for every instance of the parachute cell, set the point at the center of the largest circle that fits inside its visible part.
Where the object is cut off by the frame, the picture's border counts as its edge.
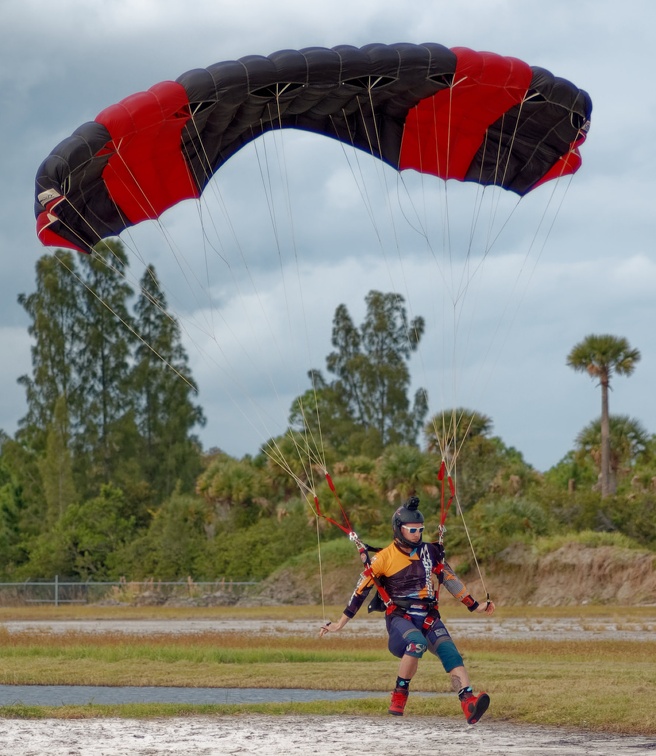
(453, 113)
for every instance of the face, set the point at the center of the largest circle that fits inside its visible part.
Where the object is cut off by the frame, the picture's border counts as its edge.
(407, 529)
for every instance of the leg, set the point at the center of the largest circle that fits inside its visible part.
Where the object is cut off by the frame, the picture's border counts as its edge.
(408, 666)
(440, 643)
(408, 643)
(459, 678)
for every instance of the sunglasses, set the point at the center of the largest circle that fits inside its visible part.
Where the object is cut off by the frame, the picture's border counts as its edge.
(412, 531)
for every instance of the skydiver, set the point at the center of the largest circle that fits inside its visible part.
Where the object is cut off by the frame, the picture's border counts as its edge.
(405, 568)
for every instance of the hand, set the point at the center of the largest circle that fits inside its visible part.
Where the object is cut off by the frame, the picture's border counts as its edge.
(328, 628)
(486, 606)
(333, 627)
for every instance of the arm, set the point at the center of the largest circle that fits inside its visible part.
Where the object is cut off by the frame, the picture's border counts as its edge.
(365, 582)
(459, 591)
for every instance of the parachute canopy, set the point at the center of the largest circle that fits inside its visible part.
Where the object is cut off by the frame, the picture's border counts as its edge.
(453, 113)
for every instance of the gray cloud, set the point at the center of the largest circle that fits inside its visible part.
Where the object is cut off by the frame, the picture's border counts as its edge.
(594, 274)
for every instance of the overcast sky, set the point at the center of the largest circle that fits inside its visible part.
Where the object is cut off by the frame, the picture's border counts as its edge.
(256, 305)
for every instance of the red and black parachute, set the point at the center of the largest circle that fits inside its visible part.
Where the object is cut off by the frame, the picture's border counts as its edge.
(456, 114)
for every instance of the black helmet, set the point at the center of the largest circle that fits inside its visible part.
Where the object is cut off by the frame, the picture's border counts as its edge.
(403, 515)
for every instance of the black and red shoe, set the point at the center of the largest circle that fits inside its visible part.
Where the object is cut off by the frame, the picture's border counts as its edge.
(399, 700)
(475, 706)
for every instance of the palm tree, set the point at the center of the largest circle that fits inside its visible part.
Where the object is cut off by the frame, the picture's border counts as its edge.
(628, 442)
(447, 431)
(403, 470)
(601, 356)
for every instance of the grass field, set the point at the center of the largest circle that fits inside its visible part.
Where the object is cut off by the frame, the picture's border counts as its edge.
(603, 685)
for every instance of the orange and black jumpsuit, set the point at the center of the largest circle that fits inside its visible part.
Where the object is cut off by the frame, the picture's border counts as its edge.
(408, 579)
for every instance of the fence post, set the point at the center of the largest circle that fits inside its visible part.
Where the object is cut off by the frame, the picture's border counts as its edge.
(56, 590)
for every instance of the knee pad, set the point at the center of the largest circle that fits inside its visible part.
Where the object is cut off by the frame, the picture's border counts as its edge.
(449, 655)
(416, 645)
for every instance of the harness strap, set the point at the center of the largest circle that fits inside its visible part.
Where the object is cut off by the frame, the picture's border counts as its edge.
(431, 618)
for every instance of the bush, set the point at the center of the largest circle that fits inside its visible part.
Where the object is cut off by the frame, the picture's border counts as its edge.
(252, 553)
(495, 524)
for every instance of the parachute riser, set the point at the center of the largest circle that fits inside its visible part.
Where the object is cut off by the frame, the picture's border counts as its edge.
(445, 504)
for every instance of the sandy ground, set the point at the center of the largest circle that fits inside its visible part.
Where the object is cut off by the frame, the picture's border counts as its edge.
(305, 736)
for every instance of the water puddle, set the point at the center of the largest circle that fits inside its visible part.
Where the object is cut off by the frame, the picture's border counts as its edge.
(81, 695)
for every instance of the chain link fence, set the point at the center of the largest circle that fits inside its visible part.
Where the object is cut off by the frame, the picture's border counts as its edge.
(61, 591)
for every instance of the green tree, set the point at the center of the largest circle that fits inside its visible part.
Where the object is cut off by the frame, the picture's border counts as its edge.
(12, 506)
(55, 465)
(404, 470)
(22, 496)
(322, 418)
(163, 387)
(602, 356)
(55, 312)
(172, 545)
(235, 487)
(449, 431)
(480, 464)
(82, 542)
(628, 440)
(572, 472)
(105, 438)
(368, 399)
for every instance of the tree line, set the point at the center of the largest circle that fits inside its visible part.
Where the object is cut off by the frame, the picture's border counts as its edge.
(105, 477)
(108, 430)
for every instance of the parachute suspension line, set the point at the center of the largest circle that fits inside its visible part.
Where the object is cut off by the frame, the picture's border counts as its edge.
(127, 325)
(497, 164)
(376, 147)
(122, 273)
(421, 224)
(452, 440)
(423, 232)
(467, 275)
(204, 161)
(274, 453)
(358, 178)
(519, 288)
(184, 268)
(309, 451)
(233, 378)
(387, 193)
(442, 477)
(312, 447)
(224, 367)
(471, 546)
(320, 563)
(317, 442)
(549, 227)
(207, 176)
(205, 180)
(304, 449)
(310, 440)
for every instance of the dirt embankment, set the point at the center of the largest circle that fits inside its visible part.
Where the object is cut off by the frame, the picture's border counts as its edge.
(573, 574)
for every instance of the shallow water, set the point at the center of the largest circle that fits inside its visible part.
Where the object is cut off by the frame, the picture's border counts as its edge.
(80, 695)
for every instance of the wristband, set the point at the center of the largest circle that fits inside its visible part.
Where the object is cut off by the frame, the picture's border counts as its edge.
(470, 602)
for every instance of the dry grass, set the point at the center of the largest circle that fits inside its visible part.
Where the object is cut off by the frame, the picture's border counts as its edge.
(645, 614)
